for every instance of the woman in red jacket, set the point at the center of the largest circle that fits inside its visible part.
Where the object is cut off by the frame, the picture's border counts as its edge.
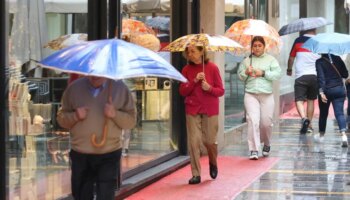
(201, 92)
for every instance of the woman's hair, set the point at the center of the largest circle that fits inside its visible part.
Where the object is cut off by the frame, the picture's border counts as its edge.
(199, 48)
(259, 39)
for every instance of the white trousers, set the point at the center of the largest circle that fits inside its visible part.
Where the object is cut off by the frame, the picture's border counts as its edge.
(259, 114)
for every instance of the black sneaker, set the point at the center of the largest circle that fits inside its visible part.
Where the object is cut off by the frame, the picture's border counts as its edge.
(266, 151)
(304, 125)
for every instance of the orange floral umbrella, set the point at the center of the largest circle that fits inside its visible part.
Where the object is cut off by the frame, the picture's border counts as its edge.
(131, 26)
(244, 30)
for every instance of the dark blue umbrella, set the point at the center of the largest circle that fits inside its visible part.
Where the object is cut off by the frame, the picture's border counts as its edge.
(303, 24)
(111, 58)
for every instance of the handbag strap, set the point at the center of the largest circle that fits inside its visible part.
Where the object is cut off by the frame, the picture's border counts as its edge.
(335, 68)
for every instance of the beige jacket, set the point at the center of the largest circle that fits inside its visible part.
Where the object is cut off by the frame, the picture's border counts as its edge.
(79, 94)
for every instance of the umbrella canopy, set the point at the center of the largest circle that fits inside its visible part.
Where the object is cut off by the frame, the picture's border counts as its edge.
(243, 31)
(66, 41)
(216, 43)
(131, 26)
(111, 58)
(161, 23)
(148, 41)
(333, 43)
(303, 24)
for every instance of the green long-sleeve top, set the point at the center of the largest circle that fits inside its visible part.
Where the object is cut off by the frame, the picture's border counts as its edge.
(258, 85)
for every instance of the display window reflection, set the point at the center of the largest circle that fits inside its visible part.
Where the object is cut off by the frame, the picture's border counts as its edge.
(38, 148)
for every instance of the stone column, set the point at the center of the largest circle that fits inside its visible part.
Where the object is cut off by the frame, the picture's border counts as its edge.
(274, 22)
(212, 21)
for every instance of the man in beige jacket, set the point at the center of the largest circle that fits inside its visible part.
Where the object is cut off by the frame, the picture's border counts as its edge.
(94, 106)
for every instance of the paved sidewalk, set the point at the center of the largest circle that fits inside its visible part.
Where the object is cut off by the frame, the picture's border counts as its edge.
(306, 169)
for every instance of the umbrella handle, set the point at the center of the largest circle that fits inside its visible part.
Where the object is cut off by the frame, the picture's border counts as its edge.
(104, 136)
(105, 127)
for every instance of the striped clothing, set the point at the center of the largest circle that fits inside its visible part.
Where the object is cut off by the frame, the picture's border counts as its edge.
(305, 60)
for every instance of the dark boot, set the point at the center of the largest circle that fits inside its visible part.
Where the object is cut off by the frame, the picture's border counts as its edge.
(213, 171)
(194, 180)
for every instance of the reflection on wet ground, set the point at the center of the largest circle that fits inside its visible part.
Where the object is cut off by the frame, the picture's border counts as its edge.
(307, 169)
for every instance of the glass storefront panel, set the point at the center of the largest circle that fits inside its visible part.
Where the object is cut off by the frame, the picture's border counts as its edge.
(38, 147)
(151, 138)
(234, 89)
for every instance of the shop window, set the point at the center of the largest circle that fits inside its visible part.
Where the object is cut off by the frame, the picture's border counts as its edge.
(234, 112)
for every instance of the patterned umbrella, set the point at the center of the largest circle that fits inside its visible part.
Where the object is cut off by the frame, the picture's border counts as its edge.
(303, 24)
(66, 41)
(131, 26)
(216, 43)
(243, 31)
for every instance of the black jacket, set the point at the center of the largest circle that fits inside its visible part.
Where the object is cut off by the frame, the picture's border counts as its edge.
(327, 76)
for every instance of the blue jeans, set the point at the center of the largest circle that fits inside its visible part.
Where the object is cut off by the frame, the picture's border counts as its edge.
(336, 96)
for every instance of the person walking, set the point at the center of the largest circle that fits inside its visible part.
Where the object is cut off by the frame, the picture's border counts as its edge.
(86, 104)
(331, 71)
(201, 92)
(305, 86)
(258, 72)
(347, 84)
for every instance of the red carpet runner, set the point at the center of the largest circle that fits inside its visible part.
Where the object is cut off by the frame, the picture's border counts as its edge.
(235, 174)
(293, 113)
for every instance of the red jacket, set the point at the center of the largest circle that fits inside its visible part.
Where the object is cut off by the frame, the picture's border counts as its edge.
(198, 101)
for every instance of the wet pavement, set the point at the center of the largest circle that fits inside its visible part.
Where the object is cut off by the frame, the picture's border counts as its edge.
(307, 169)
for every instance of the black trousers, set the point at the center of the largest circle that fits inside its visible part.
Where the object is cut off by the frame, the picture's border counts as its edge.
(89, 170)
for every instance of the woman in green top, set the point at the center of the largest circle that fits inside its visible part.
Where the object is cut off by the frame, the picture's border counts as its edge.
(258, 72)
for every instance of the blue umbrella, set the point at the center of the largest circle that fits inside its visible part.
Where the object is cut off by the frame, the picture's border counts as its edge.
(111, 58)
(329, 43)
(161, 23)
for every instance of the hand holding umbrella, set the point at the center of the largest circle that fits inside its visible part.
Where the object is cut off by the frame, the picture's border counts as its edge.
(200, 76)
(205, 85)
(81, 113)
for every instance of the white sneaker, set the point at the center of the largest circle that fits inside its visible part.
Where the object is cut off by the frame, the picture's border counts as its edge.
(310, 130)
(344, 141)
(319, 138)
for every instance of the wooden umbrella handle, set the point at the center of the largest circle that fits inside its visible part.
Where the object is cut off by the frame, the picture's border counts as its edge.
(104, 136)
(105, 127)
